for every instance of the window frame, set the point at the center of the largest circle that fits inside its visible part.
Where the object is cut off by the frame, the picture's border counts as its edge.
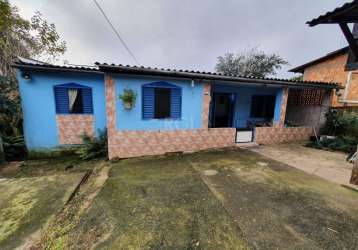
(148, 91)
(61, 99)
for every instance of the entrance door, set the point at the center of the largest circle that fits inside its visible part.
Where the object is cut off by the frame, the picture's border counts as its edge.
(222, 110)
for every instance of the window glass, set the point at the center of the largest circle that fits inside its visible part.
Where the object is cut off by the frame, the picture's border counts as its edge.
(162, 103)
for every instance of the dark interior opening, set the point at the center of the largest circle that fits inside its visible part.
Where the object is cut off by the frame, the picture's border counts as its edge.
(162, 103)
(263, 106)
(222, 110)
(78, 104)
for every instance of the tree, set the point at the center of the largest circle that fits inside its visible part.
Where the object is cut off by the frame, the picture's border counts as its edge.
(254, 63)
(297, 78)
(35, 38)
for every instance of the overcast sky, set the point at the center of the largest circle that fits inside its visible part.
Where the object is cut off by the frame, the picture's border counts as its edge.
(189, 34)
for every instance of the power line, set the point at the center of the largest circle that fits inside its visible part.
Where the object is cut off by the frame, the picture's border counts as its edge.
(115, 31)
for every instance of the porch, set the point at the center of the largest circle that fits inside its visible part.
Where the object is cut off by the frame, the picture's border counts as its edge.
(267, 115)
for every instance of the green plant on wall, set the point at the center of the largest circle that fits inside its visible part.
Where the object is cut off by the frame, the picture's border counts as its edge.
(128, 98)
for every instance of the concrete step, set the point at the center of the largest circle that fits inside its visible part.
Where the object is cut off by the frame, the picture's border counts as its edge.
(247, 144)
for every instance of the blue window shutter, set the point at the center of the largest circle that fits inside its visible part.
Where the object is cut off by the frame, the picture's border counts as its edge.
(175, 103)
(148, 102)
(61, 100)
(87, 100)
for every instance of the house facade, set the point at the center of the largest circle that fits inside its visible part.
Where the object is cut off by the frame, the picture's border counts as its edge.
(173, 111)
(332, 68)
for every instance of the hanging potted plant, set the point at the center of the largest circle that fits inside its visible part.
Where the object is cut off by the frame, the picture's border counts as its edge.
(128, 98)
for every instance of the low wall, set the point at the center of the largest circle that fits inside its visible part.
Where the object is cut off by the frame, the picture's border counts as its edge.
(273, 135)
(70, 128)
(125, 144)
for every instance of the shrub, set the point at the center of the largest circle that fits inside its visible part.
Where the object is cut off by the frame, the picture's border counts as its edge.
(93, 147)
(14, 148)
(344, 126)
(340, 123)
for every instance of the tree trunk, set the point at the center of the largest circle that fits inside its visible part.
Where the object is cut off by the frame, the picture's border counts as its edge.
(354, 177)
(2, 153)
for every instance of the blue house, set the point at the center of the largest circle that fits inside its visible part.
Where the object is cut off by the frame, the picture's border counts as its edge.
(173, 110)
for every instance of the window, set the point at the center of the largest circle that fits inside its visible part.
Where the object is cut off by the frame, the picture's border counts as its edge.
(161, 100)
(73, 98)
(263, 106)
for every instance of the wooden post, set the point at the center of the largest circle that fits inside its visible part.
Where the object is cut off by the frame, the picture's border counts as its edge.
(354, 177)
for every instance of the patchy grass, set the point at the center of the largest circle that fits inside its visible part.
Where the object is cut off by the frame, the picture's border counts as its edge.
(26, 204)
(154, 203)
(280, 207)
(55, 237)
(34, 192)
(223, 199)
(47, 167)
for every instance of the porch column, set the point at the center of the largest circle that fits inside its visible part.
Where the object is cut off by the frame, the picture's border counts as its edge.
(110, 111)
(206, 105)
(280, 108)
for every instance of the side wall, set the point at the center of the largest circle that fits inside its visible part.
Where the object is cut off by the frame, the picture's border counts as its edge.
(274, 135)
(279, 133)
(128, 120)
(151, 140)
(332, 70)
(309, 115)
(41, 126)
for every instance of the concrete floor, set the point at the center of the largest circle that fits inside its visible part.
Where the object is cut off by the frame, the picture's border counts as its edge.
(328, 165)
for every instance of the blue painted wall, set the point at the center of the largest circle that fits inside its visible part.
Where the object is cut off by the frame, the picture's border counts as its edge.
(279, 96)
(38, 105)
(243, 101)
(132, 119)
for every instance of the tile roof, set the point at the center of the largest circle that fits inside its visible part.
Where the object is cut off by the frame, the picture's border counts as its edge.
(38, 65)
(203, 75)
(330, 15)
(187, 74)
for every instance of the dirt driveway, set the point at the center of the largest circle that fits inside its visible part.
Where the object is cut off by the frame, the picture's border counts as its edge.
(331, 166)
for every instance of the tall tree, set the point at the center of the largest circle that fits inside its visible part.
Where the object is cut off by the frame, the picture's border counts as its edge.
(35, 38)
(254, 63)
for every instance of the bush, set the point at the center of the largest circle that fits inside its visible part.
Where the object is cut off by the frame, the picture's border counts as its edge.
(14, 148)
(340, 123)
(94, 147)
(52, 153)
(344, 126)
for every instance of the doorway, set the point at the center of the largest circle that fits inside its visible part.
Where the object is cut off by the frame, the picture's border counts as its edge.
(222, 110)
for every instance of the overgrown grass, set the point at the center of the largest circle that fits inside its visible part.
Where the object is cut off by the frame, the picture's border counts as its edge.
(155, 203)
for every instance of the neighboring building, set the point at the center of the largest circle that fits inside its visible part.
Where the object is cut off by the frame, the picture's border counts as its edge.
(174, 111)
(332, 68)
(341, 65)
